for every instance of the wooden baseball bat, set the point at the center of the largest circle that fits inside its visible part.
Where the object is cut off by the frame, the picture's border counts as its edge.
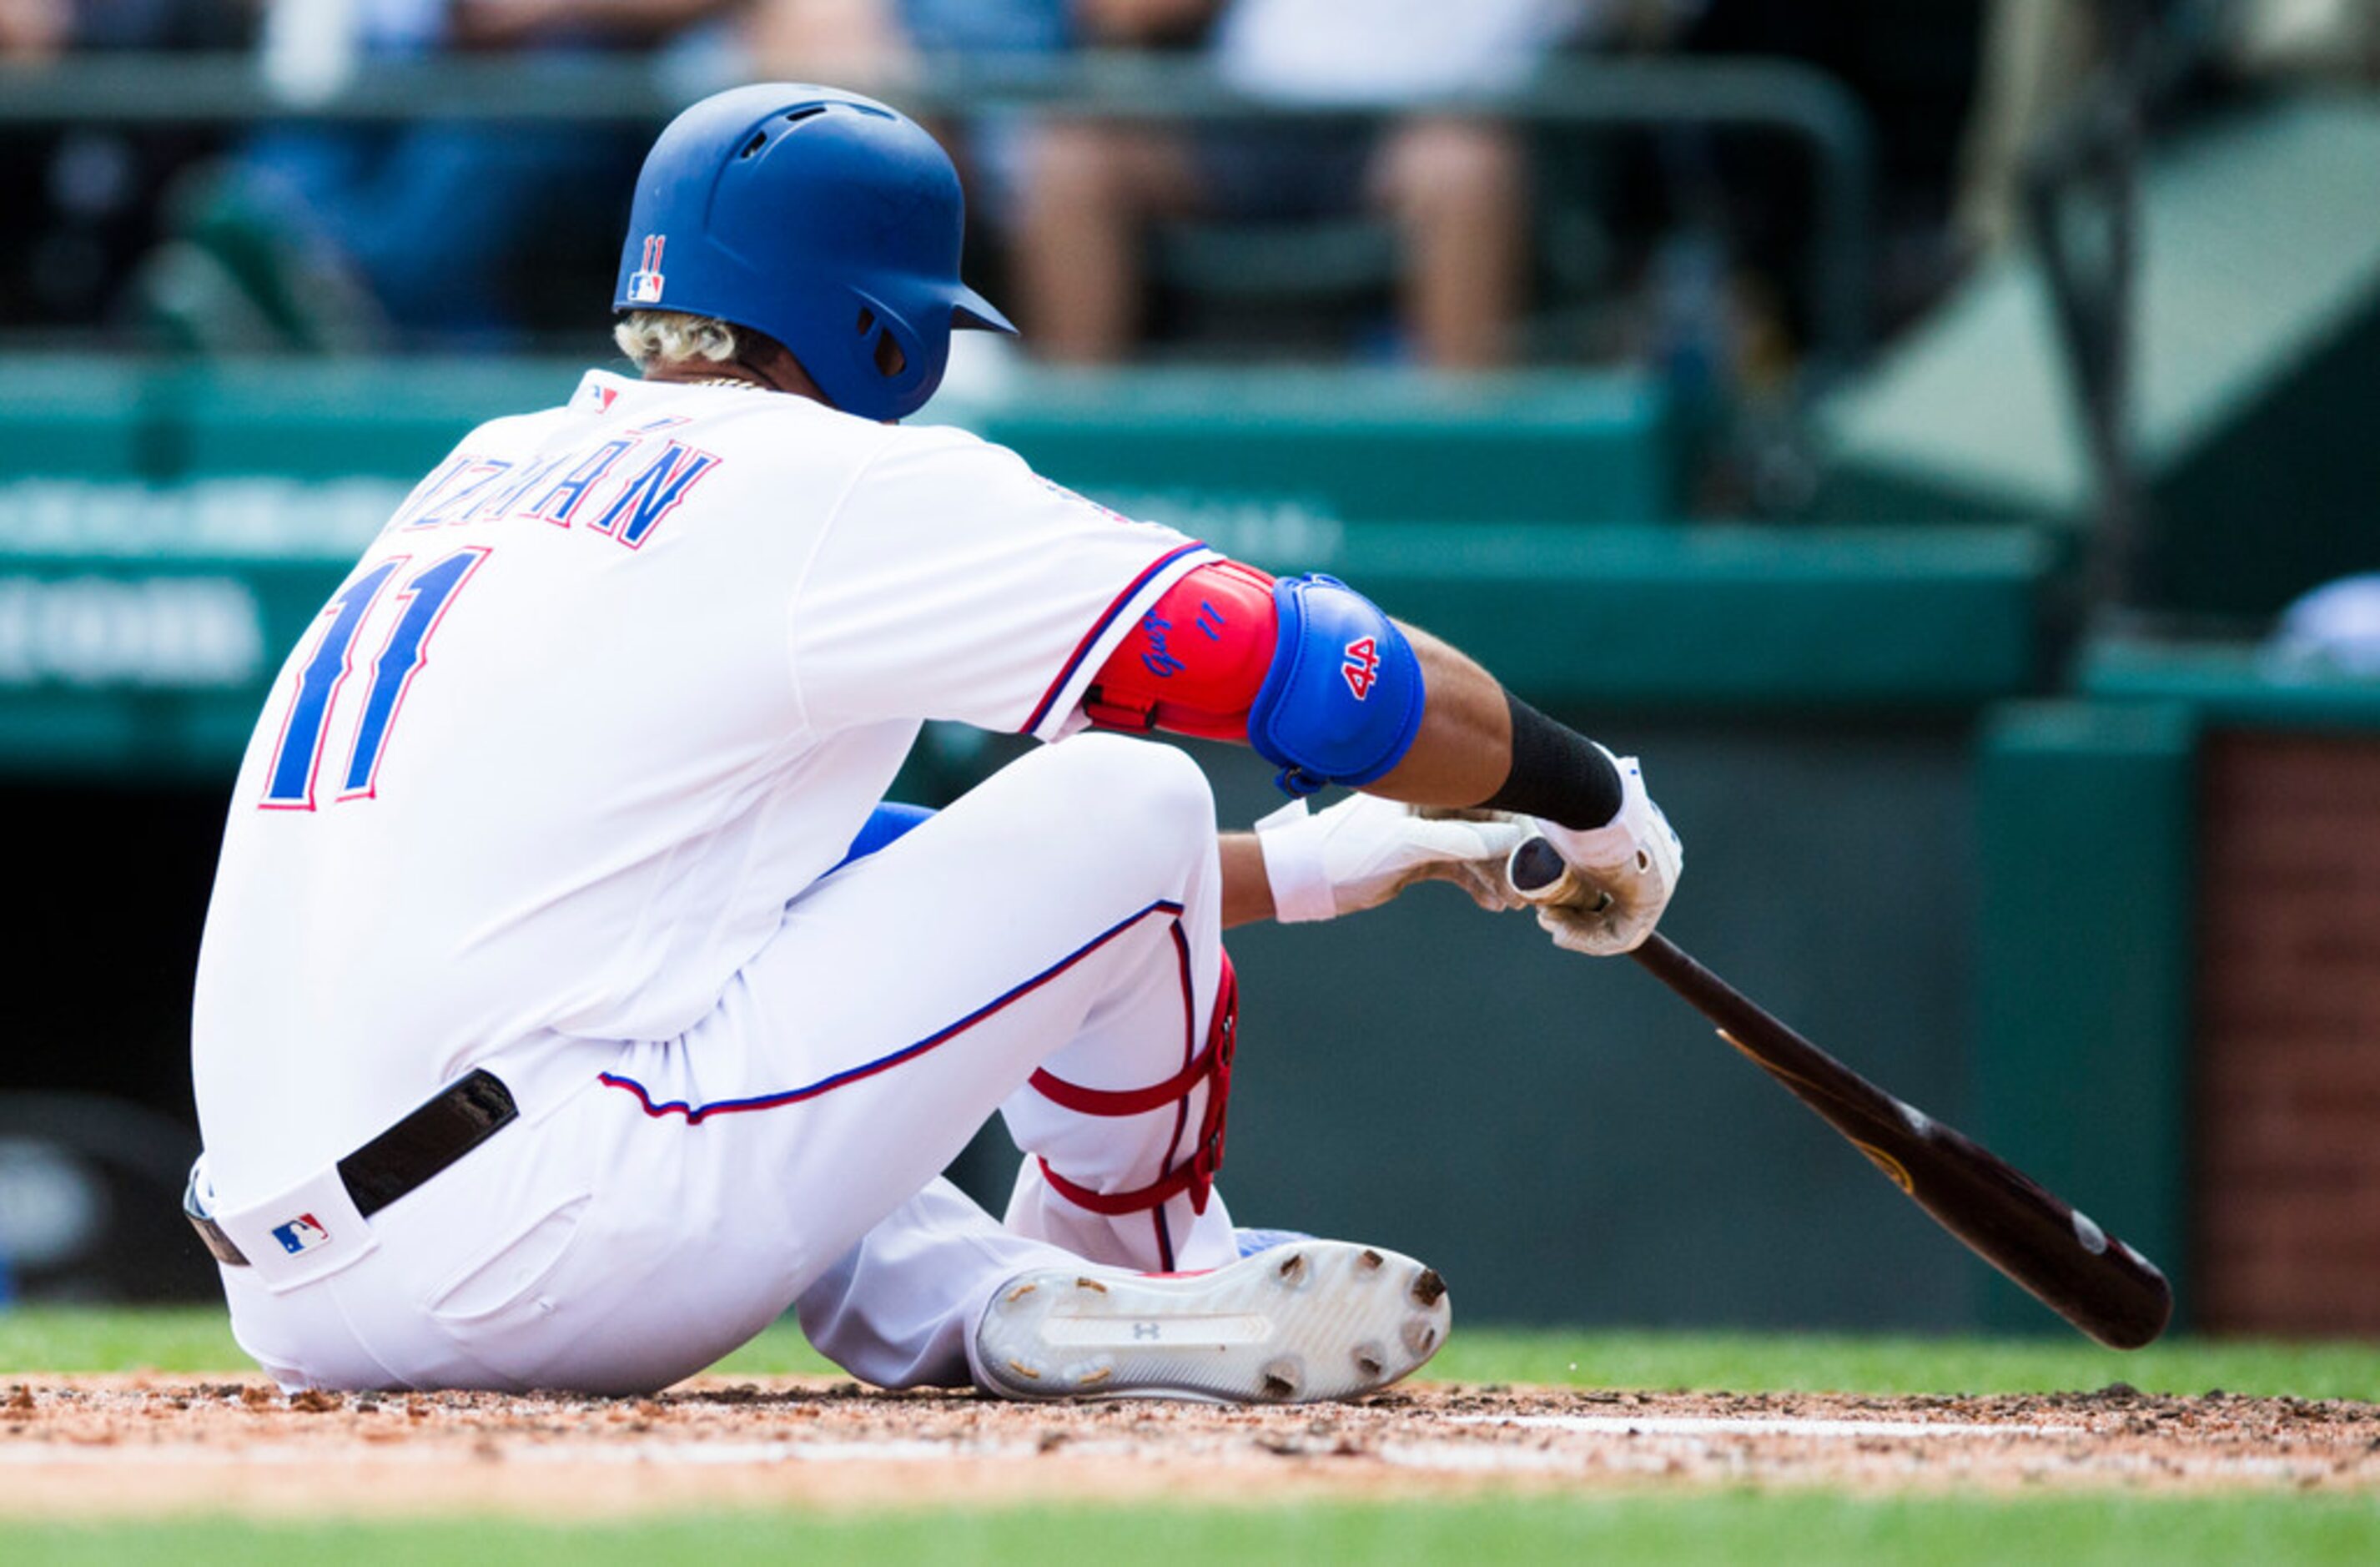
(2064, 1261)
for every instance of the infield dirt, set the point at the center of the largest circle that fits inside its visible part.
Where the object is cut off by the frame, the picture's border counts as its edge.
(118, 1446)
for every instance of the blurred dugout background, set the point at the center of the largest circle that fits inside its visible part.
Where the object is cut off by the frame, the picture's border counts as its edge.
(1909, 426)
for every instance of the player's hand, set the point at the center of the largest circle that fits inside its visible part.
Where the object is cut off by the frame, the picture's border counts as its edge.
(1617, 878)
(1363, 851)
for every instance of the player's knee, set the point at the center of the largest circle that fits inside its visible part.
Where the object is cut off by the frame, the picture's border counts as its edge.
(1157, 778)
(1174, 792)
(1448, 168)
(1080, 165)
(1153, 798)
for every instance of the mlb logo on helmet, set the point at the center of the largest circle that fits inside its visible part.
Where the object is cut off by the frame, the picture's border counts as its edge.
(645, 283)
(301, 1233)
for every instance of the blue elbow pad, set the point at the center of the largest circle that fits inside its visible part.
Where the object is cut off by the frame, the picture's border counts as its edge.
(1342, 699)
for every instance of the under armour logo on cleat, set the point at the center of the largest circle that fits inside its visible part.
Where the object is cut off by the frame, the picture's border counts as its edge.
(1146, 1331)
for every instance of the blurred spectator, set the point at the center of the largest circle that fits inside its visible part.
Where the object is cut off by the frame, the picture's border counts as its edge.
(843, 41)
(2039, 54)
(1913, 70)
(2333, 630)
(2334, 38)
(2036, 55)
(873, 45)
(872, 42)
(81, 201)
(504, 24)
(354, 237)
(33, 30)
(1455, 187)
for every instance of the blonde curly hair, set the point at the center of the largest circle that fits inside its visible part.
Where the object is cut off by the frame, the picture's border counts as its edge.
(652, 338)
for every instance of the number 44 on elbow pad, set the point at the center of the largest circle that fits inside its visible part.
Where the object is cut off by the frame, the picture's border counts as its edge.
(1342, 701)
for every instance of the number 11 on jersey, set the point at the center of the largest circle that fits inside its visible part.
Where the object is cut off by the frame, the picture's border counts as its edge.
(298, 758)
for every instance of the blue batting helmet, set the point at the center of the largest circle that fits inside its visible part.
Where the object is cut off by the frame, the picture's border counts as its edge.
(826, 220)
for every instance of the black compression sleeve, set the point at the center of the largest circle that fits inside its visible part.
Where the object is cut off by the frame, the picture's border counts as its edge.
(1557, 773)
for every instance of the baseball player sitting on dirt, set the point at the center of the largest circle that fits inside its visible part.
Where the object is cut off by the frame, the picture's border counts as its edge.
(570, 1003)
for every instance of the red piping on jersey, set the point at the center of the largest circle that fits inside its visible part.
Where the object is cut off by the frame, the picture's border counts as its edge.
(1090, 637)
(695, 1114)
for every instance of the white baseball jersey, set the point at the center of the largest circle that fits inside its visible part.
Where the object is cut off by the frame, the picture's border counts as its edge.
(617, 681)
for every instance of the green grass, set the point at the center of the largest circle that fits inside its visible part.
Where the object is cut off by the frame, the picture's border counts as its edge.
(1745, 1526)
(52, 1337)
(56, 1339)
(1798, 1362)
(1727, 1527)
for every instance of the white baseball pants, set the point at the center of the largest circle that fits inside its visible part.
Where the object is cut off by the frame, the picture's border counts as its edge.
(661, 1202)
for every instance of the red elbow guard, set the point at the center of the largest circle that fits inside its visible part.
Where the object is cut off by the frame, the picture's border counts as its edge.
(1194, 663)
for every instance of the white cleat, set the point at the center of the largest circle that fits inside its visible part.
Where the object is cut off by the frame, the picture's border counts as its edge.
(1300, 1323)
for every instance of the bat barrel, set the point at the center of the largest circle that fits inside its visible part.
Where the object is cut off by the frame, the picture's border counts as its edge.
(2059, 1256)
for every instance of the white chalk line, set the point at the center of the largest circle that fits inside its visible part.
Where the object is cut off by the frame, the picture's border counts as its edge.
(1469, 1456)
(1704, 1436)
(1495, 1458)
(688, 1455)
(1444, 1457)
(1752, 1425)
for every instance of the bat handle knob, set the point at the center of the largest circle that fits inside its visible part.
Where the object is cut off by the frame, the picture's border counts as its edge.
(1539, 874)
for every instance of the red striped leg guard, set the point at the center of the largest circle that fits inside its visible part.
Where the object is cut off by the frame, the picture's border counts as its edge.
(1212, 1065)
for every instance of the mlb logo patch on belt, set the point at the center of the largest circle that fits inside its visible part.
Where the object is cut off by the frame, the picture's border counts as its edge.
(301, 1233)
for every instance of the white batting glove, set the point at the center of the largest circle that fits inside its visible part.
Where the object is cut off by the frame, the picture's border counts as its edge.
(1620, 876)
(1363, 851)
